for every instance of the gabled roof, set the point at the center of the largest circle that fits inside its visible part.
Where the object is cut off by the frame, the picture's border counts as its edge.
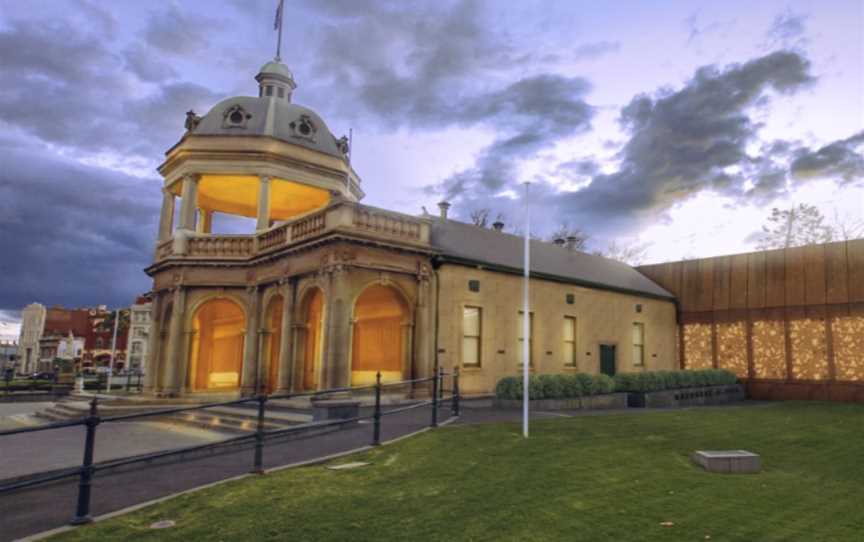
(459, 242)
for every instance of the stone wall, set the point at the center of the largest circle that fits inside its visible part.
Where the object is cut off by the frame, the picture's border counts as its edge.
(603, 317)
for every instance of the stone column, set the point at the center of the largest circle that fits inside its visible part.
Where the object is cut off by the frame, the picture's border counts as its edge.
(250, 348)
(166, 218)
(188, 202)
(263, 203)
(205, 221)
(337, 365)
(286, 360)
(151, 366)
(173, 361)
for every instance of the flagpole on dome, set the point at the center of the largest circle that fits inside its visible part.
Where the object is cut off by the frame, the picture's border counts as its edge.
(277, 25)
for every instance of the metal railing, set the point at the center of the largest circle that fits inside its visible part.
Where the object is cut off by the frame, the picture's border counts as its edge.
(91, 422)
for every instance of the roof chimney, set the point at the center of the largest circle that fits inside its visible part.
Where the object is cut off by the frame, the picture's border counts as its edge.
(498, 225)
(444, 206)
(571, 242)
(559, 242)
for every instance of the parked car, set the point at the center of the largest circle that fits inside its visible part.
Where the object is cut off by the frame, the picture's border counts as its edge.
(44, 375)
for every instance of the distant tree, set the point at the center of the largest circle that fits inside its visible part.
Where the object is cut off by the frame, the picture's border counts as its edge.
(847, 227)
(480, 217)
(795, 227)
(632, 254)
(564, 231)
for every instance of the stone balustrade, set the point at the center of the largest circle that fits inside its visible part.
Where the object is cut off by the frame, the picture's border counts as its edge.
(346, 218)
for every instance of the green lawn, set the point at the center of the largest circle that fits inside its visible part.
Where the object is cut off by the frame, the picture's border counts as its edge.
(615, 478)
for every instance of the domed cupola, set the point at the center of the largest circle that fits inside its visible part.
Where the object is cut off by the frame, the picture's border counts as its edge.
(275, 80)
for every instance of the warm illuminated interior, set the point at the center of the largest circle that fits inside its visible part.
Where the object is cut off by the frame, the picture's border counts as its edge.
(238, 195)
(313, 339)
(216, 358)
(274, 341)
(378, 342)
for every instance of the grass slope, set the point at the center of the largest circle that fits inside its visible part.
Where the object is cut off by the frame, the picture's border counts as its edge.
(615, 477)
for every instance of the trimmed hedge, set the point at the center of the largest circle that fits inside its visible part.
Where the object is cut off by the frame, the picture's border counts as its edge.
(670, 380)
(568, 386)
(561, 386)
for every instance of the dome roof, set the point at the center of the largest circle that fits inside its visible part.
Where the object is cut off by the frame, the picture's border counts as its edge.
(275, 68)
(266, 116)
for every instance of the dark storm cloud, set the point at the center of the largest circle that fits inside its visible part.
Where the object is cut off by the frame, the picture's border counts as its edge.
(147, 66)
(532, 115)
(787, 30)
(682, 142)
(76, 93)
(408, 64)
(180, 33)
(72, 234)
(840, 160)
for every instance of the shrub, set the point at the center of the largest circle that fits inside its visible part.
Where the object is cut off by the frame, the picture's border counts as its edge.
(586, 383)
(552, 386)
(535, 388)
(603, 384)
(572, 385)
(509, 387)
(669, 380)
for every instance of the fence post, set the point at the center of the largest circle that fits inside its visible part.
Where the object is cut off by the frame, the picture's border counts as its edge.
(376, 416)
(435, 397)
(128, 381)
(259, 437)
(82, 511)
(456, 391)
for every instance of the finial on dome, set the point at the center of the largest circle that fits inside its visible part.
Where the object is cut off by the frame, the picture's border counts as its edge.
(275, 80)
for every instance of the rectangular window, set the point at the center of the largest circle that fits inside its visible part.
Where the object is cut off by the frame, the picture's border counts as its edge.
(472, 327)
(638, 343)
(521, 335)
(569, 338)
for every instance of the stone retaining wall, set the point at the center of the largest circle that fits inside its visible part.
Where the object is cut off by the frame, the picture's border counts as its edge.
(591, 402)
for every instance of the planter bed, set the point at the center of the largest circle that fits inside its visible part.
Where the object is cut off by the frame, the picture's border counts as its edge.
(590, 402)
(707, 395)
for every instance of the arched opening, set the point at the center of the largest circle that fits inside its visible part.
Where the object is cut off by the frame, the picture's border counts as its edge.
(272, 341)
(379, 340)
(312, 339)
(217, 349)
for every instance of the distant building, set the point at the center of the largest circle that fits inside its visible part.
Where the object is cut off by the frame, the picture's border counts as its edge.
(32, 327)
(8, 354)
(83, 335)
(139, 332)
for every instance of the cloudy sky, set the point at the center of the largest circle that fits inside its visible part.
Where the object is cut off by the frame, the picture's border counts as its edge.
(673, 125)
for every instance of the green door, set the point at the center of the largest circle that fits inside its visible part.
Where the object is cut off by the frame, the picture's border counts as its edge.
(607, 359)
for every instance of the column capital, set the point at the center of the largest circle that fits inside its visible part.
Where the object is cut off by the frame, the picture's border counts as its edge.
(192, 177)
(264, 178)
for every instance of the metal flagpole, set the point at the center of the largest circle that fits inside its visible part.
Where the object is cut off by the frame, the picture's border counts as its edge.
(526, 316)
(113, 348)
(277, 25)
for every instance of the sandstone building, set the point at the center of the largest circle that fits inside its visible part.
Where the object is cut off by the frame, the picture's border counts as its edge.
(326, 292)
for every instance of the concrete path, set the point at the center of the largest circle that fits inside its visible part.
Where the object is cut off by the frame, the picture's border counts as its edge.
(43, 451)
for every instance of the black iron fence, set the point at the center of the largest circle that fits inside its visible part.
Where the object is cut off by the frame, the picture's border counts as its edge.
(93, 420)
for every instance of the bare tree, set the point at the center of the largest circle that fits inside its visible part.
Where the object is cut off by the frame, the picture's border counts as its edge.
(848, 227)
(795, 227)
(564, 231)
(632, 254)
(480, 217)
